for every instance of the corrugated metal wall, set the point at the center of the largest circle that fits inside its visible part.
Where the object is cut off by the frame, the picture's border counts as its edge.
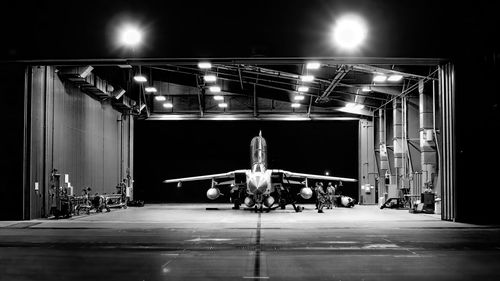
(447, 142)
(75, 134)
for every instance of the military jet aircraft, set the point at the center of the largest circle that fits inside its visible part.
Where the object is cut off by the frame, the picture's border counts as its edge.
(259, 186)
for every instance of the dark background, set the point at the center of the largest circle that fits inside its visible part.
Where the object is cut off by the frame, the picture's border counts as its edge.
(173, 149)
(466, 32)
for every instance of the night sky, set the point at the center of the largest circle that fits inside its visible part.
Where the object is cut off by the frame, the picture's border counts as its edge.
(172, 149)
(76, 29)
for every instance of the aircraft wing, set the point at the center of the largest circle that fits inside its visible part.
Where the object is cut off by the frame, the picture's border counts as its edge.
(301, 176)
(216, 177)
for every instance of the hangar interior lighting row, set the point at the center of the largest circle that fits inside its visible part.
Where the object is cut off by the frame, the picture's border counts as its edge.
(390, 78)
(211, 78)
(308, 78)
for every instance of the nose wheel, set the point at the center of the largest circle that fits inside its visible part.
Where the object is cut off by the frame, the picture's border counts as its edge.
(258, 208)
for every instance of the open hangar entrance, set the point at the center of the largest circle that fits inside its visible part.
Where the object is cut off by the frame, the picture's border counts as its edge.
(404, 110)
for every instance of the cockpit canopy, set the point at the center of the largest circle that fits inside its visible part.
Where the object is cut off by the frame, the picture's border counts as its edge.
(258, 152)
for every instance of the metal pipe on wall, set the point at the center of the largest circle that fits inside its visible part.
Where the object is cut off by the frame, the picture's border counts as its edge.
(427, 144)
(397, 140)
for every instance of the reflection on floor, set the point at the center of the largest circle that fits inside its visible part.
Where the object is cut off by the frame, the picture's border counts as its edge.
(189, 242)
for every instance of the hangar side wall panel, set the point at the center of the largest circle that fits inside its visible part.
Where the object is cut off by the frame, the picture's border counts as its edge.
(73, 133)
(37, 141)
(86, 140)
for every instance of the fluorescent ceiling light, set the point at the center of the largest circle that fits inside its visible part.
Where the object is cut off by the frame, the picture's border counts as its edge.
(160, 98)
(119, 93)
(150, 89)
(395, 78)
(303, 89)
(295, 105)
(365, 89)
(379, 78)
(168, 105)
(218, 98)
(214, 89)
(204, 65)
(210, 78)
(313, 65)
(222, 105)
(354, 106)
(307, 78)
(140, 78)
(299, 97)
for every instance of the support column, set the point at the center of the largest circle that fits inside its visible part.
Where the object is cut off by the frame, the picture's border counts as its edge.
(384, 160)
(367, 169)
(427, 141)
(398, 143)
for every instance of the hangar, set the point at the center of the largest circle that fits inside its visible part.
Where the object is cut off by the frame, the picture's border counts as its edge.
(411, 113)
(80, 118)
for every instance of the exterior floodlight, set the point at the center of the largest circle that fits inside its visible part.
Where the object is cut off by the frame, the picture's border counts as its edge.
(140, 78)
(160, 98)
(218, 98)
(204, 65)
(307, 78)
(295, 105)
(395, 78)
(168, 105)
(142, 107)
(379, 78)
(313, 65)
(222, 105)
(299, 97)
(210, 78)
(130, 36)
(150, 90)
(303, 89)
(214, 89)
(349, 32)
(327, 173)
(365, 89)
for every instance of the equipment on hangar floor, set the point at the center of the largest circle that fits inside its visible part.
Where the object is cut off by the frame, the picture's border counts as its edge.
(260, 186)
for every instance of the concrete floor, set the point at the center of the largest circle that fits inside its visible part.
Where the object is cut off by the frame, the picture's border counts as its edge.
(188, 242)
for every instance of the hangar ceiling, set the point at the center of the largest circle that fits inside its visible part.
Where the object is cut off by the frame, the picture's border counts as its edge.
(257, 88)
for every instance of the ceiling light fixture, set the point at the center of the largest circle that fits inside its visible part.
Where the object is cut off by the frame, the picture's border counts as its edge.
(307, 78)
(218, 98)
(150, 90)
(299, 97)
(119, 93)
(222, 105)
(160, 98)
(303, 89)
(395, 78)
(210, 78)
(214, 89)
(313, 65)
(379, 78)
(365, 89)
(295, 105)
(204, 65)
(140, 78)
(168, 105)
